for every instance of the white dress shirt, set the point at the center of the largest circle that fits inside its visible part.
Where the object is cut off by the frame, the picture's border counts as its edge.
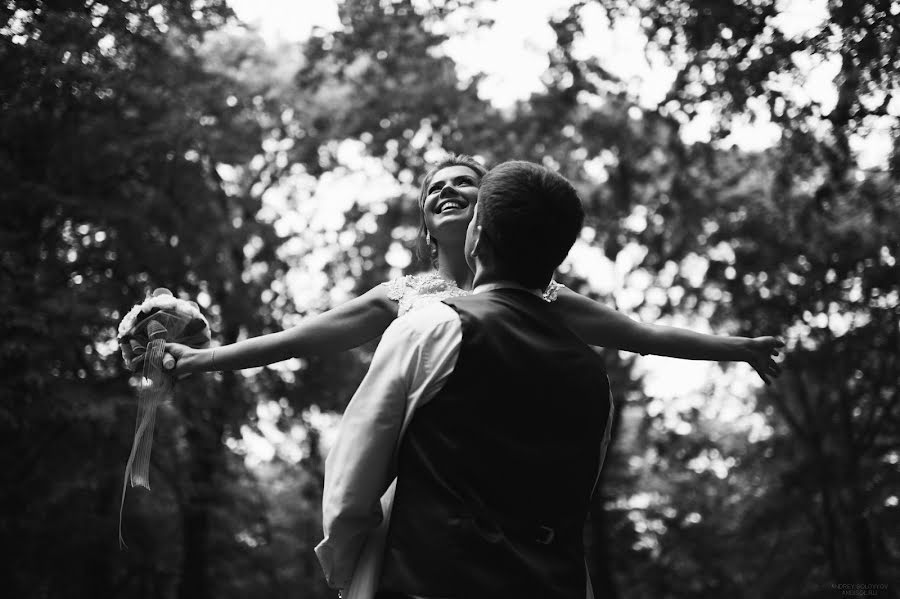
(413, 361)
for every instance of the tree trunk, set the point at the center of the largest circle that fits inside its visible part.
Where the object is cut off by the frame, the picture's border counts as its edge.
(204, 437)
(206, 425)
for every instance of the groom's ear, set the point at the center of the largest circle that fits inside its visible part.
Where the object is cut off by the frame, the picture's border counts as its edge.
(476, 244)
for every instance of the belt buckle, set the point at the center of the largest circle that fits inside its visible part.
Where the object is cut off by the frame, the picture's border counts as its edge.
(545, 535)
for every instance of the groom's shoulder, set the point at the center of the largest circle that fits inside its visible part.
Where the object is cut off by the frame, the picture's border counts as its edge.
(492, 302)
(426, 320)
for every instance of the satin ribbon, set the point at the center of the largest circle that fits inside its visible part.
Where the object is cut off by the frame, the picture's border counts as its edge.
(156, 387)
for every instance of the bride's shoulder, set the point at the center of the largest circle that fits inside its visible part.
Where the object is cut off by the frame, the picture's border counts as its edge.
(421, 282)
(417, 290)
(400, 286)
(396, 287)
(551, 293)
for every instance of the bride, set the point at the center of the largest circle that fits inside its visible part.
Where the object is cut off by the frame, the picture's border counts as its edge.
(446, 201)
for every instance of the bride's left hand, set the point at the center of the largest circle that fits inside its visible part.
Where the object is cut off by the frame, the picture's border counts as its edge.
(761, 351)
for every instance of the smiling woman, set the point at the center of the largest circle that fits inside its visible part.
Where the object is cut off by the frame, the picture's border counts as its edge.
(452, 186)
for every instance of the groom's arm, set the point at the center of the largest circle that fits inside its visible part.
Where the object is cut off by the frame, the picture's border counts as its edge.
(414, 358)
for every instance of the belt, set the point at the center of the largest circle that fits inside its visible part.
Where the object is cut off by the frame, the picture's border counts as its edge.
(542, 534)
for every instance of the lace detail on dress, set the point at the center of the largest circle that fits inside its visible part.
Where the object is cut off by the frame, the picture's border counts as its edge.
(415, 291)
(395, 288)
(552, 290)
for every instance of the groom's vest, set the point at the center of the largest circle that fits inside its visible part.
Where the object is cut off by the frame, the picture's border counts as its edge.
(497, 470)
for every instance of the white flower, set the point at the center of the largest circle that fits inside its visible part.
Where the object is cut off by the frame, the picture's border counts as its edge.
(163, 302)
(129, 320)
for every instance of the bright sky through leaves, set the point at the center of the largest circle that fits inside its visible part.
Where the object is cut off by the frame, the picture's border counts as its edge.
(513, 55)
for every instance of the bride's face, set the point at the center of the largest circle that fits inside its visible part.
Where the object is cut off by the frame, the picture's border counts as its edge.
(450, 203)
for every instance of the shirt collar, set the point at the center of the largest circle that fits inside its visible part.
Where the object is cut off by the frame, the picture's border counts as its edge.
(484, 287)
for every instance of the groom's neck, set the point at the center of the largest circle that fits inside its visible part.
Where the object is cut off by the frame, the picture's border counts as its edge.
(485, 275)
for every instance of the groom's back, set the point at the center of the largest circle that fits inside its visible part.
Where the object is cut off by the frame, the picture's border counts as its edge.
(496, 471)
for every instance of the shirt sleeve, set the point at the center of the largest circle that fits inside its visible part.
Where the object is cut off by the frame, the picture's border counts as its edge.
(414, 359)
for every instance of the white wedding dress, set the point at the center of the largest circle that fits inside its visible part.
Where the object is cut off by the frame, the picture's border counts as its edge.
(411, 292)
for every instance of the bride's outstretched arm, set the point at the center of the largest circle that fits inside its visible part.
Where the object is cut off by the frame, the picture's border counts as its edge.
(349, 325)
(601, 325)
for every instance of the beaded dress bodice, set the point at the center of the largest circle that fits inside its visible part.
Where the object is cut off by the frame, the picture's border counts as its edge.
(416, 291)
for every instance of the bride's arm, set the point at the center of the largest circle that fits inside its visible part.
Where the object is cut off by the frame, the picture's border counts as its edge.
(601, 325)
(349, 325)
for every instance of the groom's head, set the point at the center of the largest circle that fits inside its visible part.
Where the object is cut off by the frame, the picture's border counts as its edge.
(526, 219)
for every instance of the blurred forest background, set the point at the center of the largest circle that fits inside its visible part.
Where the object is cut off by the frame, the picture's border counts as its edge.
(161, 143)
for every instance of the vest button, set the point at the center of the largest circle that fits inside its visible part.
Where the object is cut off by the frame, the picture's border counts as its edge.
(545, 535)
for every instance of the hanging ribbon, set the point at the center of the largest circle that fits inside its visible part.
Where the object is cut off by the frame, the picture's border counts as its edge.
(173, 324)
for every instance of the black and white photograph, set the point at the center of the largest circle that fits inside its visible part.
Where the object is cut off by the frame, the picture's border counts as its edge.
(450, 299)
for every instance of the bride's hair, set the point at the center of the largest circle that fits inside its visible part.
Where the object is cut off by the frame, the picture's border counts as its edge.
(424, 251)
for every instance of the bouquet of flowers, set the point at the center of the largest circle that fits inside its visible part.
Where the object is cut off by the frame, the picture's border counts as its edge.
(143, 334)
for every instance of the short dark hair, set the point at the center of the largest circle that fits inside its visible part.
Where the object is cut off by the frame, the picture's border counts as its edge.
(422, 249)
(531, 216)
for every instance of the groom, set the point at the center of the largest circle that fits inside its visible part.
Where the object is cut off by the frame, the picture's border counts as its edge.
(492, 415)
